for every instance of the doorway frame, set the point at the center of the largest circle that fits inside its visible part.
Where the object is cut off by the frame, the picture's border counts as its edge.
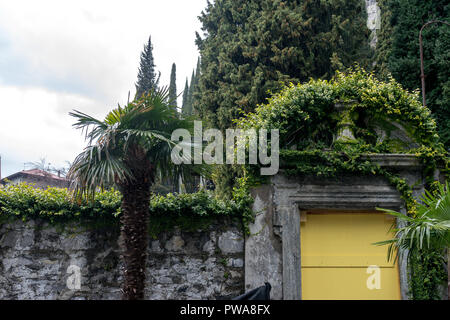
(291, 196)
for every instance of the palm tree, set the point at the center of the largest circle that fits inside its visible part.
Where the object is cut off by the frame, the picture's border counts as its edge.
(429, 229)
(126, 149)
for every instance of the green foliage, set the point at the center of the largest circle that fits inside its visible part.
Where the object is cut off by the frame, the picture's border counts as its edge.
(55, 205)
(147, 79)
(308, 121)
(250, 48)
(187, 211)
(398, 52)
(306, 117)
(190, 90)
(193, 211)
(129, 146)
(190, 96)
(428, 228)
(185, 108)
(427, 274)
(173, 86)
(425, 236)
(384, 41)
(332, 164)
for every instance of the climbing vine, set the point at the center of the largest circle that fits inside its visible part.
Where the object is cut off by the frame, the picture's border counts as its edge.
(383, 117)
(56, 206)
(193, 211)
(331, 164)
(306, 117)
(308, 121)
(426, 274)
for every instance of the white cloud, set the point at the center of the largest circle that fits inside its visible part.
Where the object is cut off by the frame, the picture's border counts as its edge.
(35, 123)
(85, 55)
(96, 44)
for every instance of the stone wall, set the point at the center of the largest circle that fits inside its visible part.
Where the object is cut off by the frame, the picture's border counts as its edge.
(37, 261)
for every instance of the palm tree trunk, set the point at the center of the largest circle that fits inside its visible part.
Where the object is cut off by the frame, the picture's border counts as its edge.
(134, 220)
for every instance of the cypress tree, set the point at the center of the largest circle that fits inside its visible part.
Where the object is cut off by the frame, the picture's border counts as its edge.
(197, 71)
(173, 86)
(251, 47)
(384, 35)
(146, 79)
(191, 94)
(399, 55)
(184, 106)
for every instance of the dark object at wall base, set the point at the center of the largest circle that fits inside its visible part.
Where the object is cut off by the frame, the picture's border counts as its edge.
(261, 293)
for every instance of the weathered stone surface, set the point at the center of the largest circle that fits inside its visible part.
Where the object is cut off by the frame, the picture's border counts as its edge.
(35, 260)
(263, 256)
(231, 242)
(373, 20)
(176, 243)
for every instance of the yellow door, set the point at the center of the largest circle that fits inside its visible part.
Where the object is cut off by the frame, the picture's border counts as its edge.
(339, 261)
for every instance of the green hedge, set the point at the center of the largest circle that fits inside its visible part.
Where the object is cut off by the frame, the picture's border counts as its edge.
(23, 201)
(56, 206)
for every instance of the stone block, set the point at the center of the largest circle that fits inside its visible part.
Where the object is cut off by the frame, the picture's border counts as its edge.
(231, 242)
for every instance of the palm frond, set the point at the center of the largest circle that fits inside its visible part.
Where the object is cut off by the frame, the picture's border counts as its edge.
(84, 122)
(430, 228)
(94, 168)
(396, 214)
(145, 124)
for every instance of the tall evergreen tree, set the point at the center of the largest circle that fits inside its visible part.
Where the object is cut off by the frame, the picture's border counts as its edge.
(191, 93)
(188, 94)
(185, 103)
(197, 71)
(251, 47)
(147, 78)
(173, 86)
(384, 42)
(398, 53)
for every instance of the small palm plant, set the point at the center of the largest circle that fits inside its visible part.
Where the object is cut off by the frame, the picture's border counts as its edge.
(425, 234)
(429, 228)
(126, 149)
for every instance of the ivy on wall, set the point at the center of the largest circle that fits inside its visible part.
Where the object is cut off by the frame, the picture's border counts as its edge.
(307, 119)
(383, 117)
(193, 211)
(427, 274)
(56, 206)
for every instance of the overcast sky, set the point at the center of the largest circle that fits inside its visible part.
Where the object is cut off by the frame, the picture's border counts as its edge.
(56, 56)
